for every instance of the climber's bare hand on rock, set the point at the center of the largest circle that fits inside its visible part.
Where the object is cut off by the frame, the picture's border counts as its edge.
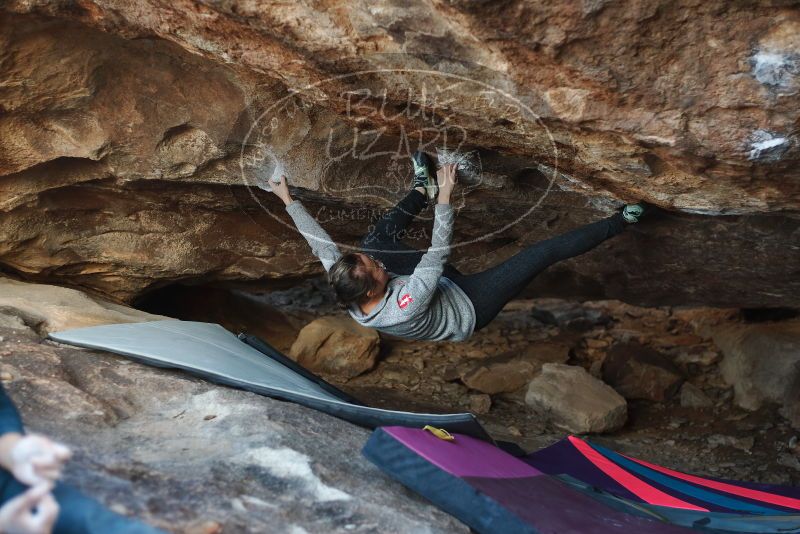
(446, 176)
(281, 189)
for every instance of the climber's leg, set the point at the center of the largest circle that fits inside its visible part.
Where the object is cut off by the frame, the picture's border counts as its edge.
(383, 242)
(79, 513)
(387, 231)
(425, 174)
(490, 290)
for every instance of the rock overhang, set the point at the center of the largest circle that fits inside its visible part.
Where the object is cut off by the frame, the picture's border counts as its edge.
(134, 177)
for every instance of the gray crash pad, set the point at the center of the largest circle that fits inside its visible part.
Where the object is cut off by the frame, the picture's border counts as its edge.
(211, 352)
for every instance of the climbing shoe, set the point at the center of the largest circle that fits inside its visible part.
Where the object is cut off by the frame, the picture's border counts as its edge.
(424, 175)
(633, 212)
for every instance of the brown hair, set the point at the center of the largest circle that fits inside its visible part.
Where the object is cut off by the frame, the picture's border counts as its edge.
(350, 280)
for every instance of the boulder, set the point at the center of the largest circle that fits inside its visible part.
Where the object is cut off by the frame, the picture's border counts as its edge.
(791, 404)
(120, 190)
(513, 370)
(693, 397)
(573, 399)
(744, 444)
(541, 352)
(183, 454)
(336, 345)
(9, 320)
(762, 362)
(47, 308)
(499, 376)
(480, 403)
(640, 372)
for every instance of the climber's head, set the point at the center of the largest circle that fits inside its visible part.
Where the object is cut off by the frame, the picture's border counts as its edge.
(357, 278)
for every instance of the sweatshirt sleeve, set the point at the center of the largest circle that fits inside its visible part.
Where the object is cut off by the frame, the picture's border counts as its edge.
(318, 239)
(421, 285)
(10, 420)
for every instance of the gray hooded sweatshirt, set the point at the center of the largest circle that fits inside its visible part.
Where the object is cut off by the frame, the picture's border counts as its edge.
(423, 305)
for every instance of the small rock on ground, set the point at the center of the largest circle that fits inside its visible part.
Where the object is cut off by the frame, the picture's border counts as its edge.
(575, 400)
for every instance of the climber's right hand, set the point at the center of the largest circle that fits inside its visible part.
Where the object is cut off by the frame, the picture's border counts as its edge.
(282, 190)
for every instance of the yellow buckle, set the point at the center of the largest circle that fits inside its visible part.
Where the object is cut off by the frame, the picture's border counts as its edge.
(440, 433)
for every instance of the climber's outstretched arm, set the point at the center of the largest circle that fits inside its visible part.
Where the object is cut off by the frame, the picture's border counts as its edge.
(422, 284)
(321, 243)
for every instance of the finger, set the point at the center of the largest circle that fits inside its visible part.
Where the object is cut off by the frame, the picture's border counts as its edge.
(18, 504)
(52, 473)
(62, 452)
(40, 490)
(44, 460)
(26, 473)
(42, 515)
(47, 509)
(45, 465)
(41, 442)
(30, 498)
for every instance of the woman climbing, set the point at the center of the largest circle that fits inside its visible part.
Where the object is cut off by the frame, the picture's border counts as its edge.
(410, 294)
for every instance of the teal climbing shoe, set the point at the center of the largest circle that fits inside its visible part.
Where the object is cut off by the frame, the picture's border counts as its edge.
(633, 212)
(424, 176)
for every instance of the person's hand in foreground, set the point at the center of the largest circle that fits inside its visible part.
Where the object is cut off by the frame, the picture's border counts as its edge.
(282, 190)
(32, 512)
(32, 459)
(446, 177)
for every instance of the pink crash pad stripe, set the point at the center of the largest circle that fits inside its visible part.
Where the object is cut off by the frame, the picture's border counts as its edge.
(463, 457)
(641, 489)
(757, 495)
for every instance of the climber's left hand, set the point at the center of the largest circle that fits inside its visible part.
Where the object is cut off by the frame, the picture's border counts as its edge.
(282, 190)
(33, 459)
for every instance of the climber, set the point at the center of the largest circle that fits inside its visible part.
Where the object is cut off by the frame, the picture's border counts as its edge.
(33, 502)
(404, 292)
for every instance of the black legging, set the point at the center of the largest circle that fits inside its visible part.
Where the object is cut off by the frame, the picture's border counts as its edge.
(491, 289)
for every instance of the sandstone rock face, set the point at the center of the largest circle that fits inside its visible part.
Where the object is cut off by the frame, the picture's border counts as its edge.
(132, 132)
(50, 308)
(499, 377)
(569, 315)
(480, 403)
(639, 372)
(693, 397)
(791, 404)
(762, 363)
(575, 400)
(336, 346)
(184, 455)
(512, 371)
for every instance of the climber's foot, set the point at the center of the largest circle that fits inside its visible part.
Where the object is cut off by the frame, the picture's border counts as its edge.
(424, 176)
(632, 213)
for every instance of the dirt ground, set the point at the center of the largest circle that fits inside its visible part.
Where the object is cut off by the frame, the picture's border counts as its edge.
(721, 440)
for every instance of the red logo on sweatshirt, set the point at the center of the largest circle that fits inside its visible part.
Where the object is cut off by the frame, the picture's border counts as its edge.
(404, 301)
